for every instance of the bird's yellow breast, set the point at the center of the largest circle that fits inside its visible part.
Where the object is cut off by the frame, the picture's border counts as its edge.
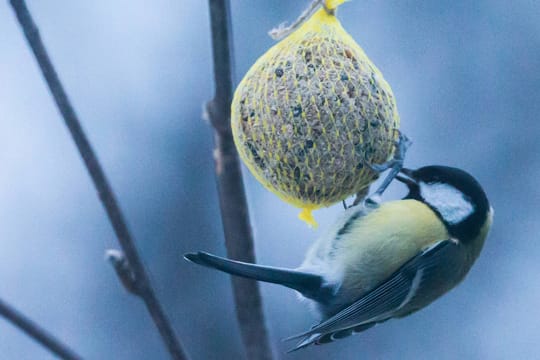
(380, 242)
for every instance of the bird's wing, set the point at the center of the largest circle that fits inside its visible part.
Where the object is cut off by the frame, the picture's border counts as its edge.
(385, 300)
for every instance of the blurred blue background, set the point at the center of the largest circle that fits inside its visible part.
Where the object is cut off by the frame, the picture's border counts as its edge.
(467, 80)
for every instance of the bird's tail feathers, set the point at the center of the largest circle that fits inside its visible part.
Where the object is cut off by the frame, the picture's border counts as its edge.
(310, 285)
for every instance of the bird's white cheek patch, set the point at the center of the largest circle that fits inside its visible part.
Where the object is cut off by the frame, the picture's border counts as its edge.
(451, 203)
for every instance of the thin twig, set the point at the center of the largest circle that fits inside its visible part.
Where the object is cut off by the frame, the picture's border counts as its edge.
(232, 198)
(37, 333)
(106, 195)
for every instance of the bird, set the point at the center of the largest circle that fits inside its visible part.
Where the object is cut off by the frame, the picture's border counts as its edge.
(386, 260)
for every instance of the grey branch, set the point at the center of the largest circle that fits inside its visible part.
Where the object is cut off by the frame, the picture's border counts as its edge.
(37, 333)
(232, 198)
(106, 195)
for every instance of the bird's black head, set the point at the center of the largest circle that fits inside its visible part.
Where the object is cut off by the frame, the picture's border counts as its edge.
(456, 197)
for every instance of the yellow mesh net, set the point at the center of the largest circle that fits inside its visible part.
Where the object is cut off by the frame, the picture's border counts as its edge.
(312, 113)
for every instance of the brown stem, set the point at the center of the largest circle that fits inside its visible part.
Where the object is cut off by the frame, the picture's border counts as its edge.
(232, 198)
(106, 195)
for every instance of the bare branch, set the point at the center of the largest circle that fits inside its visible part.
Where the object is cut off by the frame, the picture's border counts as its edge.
(101, 183)
(233, 204)
(36, 332)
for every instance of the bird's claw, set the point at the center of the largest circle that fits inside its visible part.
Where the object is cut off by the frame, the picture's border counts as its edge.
(372, 201)
(402, 144)
(382, 167)
(395, 164)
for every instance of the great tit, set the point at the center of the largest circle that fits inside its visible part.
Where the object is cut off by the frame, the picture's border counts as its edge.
(384, 261)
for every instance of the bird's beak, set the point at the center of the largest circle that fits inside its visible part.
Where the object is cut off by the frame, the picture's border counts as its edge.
(406, 176)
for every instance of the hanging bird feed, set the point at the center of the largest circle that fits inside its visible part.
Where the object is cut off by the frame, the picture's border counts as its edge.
(313, 114)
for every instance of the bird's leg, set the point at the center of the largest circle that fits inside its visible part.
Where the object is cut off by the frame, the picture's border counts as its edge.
(395, 164)
(360, 196)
